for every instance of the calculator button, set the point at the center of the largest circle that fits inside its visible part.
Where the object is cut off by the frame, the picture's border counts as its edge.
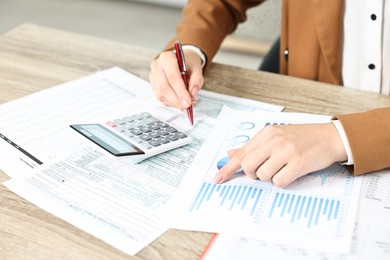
(128, 126)
(138, 124)
(136, 131)
(119, 129)
(162, 124)
(154, 134)
(141, 121)
(145, 129)
(162, 132)
(119, 122)
(181, 135)
(149, 120)
(154, 126)
(134, 125)
(145, 137)
(172, 137)
(145, 145)
(154, 143)
(128, 133)
(133, 118)
(144, 115)
(127, 119)
(137, 116)
(136, 139)
(163, 140)
(170, 129)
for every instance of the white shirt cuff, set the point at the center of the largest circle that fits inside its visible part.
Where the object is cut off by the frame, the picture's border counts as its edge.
(198, 51)
(344, 139)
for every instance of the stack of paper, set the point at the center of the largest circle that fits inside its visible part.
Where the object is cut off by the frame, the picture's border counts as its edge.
(129, 205)
(118, 202)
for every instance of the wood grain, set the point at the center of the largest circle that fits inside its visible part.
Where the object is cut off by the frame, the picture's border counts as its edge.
(34, 57)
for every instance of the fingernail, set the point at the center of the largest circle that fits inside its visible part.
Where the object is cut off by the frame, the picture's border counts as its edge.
(218, 178)
(195, 91)
(185, 103)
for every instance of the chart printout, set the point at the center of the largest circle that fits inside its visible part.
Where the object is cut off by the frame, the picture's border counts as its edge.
(319, 207)
(370, 240)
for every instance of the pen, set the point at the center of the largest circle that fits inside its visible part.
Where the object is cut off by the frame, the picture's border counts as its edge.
(183, 72)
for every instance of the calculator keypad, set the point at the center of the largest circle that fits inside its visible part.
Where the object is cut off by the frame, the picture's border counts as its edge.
(146, 130)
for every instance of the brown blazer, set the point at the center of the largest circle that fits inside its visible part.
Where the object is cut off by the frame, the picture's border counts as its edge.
(311, 32)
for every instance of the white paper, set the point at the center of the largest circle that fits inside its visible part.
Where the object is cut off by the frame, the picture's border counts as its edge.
(39, 123)
(119, 202)
(208, 105)
(318, 208)
(370, 240)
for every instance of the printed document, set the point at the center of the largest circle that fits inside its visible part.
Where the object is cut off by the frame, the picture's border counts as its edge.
(35, 128)
(119, 202)
(370, 240)
(319, 208)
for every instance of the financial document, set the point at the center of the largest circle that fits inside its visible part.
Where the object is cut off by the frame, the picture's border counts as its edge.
(119, 202)
(35, 128)
(319, 208)
(370, 240)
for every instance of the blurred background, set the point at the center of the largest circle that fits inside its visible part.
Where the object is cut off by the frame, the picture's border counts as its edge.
(148, 23)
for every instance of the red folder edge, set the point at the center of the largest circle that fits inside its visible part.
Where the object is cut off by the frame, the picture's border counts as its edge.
(209, 245)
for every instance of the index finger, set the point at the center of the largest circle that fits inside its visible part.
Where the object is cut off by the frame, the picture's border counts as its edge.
(237, 155)
(231, 167)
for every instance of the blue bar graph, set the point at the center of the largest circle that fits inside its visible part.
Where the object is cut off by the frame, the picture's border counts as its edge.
(319, 214)
(246, 199)
(304, 209)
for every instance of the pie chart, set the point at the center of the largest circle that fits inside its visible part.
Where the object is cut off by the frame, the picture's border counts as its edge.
(223, 161)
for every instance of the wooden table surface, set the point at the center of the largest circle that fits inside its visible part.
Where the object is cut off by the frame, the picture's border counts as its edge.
(34, 57)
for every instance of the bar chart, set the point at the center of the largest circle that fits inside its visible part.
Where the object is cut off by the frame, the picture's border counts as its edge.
(271, 207)
(246, 202)
(310, 213)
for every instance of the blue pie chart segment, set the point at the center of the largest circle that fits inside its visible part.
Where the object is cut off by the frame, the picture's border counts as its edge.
(224, 161)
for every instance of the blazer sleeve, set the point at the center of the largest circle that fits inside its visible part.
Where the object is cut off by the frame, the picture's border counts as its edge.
(368, 134)
(206, 23)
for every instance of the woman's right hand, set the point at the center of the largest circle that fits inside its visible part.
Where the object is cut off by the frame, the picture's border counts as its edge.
(167, 83)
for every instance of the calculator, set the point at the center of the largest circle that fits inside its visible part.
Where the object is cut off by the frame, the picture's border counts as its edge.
(135, 137)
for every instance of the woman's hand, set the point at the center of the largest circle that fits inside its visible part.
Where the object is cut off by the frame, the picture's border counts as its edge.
(282, 154)
(167, 83)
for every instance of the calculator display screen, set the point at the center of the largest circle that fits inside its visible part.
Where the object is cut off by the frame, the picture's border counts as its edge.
(107, 139)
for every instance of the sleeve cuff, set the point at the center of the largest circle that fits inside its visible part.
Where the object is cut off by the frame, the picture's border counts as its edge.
(344, 139)
(198, 51)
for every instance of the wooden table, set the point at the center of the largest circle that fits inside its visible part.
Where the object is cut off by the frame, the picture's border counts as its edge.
(33, 57)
